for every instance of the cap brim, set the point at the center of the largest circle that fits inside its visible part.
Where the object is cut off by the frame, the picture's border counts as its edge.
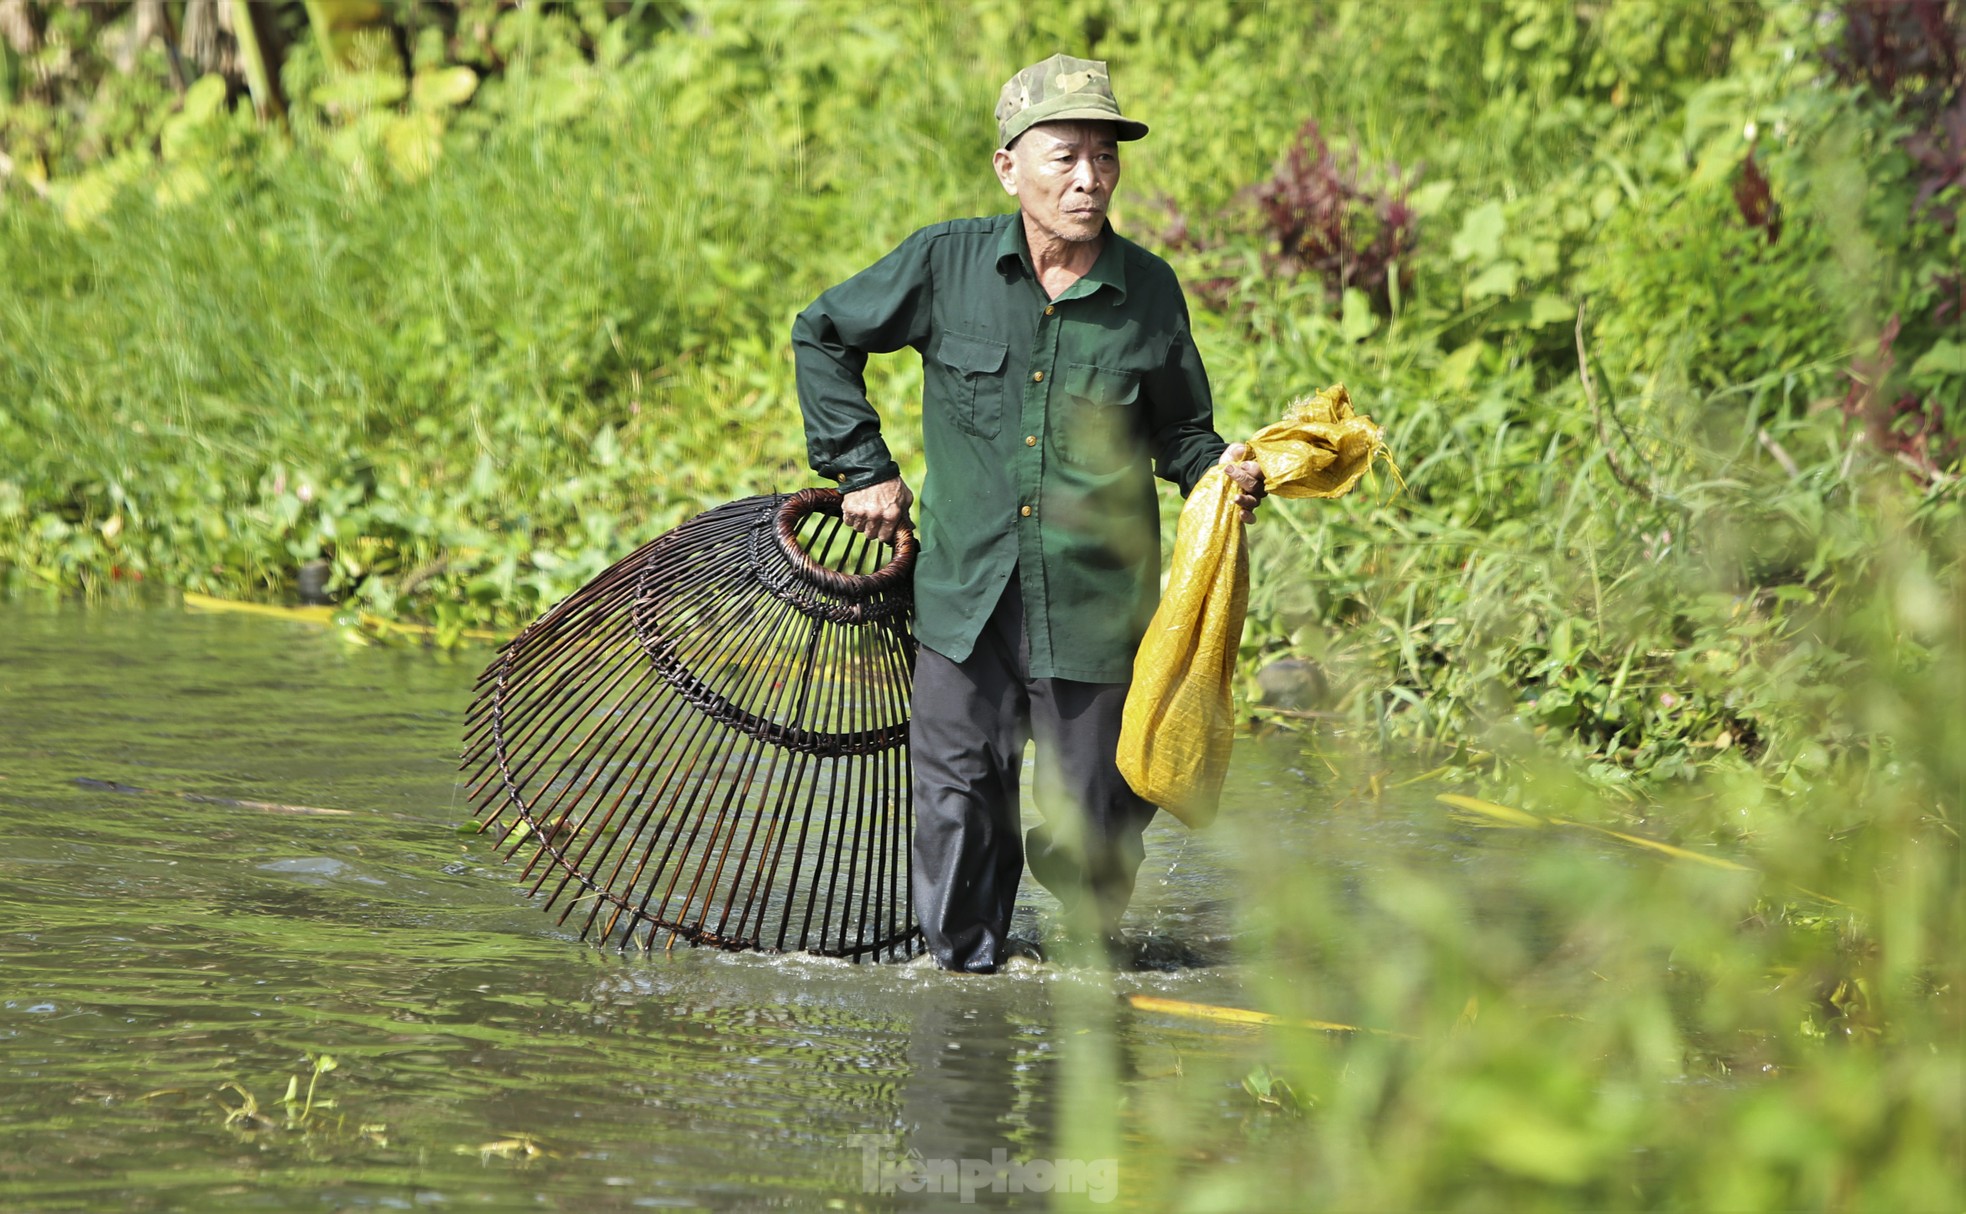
(1126, 129)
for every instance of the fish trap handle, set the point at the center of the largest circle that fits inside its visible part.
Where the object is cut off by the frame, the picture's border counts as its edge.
(806, 502)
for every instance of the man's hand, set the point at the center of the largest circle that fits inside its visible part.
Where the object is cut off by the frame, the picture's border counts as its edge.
(880, 511)
(1248, 476)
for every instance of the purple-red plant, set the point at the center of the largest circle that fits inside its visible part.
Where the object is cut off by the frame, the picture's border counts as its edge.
(1910, 429)
(1941, 152)
(1755, 199)
(1907, 50)
(1327, 220)
(1911, 55)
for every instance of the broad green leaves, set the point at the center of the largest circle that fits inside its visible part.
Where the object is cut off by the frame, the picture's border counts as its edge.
(1480, 237)
(1356, 321)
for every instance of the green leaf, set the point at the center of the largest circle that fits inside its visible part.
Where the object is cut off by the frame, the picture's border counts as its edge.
(1357, 321)
(1531, 1143)
(203, 99)
(182, 183)
(1562, 645)
(606, 447)
(442, 88)
(1457, 369)
(413, 142)
(90, 194)
(562, 97)
(1944, 358)
(1499, 279)
(1550, 309)
(1429, 198)
(355, 92)
(1480, 237)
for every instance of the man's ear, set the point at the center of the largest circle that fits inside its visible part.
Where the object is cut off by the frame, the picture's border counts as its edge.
(1006, 167)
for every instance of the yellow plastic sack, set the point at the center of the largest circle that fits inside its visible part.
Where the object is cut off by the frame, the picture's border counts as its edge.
(1180, 714)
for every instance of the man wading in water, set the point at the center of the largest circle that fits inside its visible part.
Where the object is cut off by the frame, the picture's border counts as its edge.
(1056, 362)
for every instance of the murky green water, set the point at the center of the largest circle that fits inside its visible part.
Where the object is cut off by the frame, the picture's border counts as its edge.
(160, 958)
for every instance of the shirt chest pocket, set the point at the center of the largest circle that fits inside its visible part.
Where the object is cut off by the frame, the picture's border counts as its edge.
(1095, 422)
(976, 396)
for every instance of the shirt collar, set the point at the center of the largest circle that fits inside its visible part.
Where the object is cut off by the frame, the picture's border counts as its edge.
(1108, 271)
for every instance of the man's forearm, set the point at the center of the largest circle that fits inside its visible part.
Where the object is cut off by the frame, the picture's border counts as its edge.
(843, 432)
(877, 311)
(1184, 451)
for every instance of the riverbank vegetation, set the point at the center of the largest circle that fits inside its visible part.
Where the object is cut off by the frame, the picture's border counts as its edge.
(1660, 304)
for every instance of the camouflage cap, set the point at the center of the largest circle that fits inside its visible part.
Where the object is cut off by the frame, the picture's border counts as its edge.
(1061, 89)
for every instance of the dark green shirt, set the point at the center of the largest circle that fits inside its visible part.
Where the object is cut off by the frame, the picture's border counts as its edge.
(1039, 418)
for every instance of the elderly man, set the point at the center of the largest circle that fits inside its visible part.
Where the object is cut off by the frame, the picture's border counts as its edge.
(1056, 363)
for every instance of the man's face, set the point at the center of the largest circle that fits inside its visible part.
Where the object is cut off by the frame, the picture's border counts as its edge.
(1063, 175)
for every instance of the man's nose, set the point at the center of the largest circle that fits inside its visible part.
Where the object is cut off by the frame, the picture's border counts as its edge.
(1085, 176)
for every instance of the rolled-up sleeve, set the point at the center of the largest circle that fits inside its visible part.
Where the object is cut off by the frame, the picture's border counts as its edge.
(1181, 412)
(878, 311)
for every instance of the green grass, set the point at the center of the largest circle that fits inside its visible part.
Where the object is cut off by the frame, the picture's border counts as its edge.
(472, 390)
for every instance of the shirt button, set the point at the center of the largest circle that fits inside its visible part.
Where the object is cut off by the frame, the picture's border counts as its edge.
(1025, 511)
(1037, 377)
(1048, 309)
(1030, 440)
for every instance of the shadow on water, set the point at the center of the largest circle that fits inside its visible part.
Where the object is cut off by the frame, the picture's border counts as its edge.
(166, 961)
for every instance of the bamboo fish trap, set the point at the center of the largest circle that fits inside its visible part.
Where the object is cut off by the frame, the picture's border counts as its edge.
(710, 739)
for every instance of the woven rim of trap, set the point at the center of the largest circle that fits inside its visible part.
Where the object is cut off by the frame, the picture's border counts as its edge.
(789, 573)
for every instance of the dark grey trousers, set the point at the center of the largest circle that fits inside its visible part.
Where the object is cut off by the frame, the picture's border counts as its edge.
(970, 722)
